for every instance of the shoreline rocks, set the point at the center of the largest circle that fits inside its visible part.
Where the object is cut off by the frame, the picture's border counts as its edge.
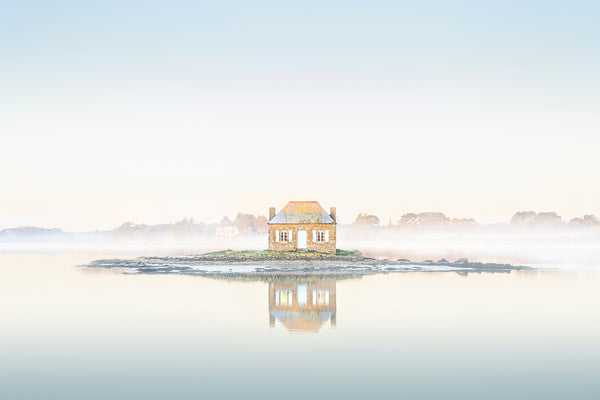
(269, 263)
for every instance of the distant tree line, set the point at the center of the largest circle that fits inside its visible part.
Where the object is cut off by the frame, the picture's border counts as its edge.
(249, 225)
(242, 225)
(437, 221)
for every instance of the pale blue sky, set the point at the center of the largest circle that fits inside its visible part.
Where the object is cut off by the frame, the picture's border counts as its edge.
(151, 111)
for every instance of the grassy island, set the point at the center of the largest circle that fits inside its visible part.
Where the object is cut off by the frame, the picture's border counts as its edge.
(271, 255)
(258, 264)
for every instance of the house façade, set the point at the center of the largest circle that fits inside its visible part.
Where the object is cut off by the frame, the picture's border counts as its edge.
(302, 225)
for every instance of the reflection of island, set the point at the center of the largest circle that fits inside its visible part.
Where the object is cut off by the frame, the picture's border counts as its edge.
(302, 305)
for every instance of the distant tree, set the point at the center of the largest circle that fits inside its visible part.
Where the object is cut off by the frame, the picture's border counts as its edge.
(364, 219)
(244, 223)
(408, 219)
(464, 223)
(548, 218)
(125, 227)
(225, 222)
(523, 218)
(185, 227)
(576, 222)
(130, 229)
(259, 225)
(587, 220)
(432, 218)
(531, 218)
(425, 218)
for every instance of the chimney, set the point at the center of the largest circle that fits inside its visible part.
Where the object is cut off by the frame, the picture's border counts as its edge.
(332, 213)
(271, 213)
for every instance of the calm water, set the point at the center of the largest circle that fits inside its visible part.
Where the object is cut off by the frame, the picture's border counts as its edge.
(71, 333)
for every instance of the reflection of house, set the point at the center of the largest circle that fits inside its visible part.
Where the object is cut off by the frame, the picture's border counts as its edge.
(302, 225)
(302, 305)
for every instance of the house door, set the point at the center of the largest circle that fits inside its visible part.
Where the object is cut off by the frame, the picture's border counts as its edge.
(302, 240)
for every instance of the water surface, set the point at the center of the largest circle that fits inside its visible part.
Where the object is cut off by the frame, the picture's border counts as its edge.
(72, 333)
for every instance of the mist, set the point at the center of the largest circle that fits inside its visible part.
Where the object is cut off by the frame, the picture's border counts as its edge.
(561, 246)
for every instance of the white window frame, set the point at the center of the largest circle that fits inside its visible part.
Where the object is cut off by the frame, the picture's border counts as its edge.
(322, 234)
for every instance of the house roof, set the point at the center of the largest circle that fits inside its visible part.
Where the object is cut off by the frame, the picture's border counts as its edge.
(302, 212)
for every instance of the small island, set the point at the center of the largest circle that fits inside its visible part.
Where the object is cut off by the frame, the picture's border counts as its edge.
(261, 263)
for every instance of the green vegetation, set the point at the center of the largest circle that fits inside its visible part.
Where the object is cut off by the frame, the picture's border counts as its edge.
(264, 255)
(218, 253)
(340, 252)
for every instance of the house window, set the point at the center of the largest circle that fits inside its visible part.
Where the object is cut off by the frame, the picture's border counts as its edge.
(283, 236)
(283, 297)
(320, 297)
(320, 236)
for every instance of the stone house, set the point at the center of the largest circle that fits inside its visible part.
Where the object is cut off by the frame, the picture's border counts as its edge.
(302, 225)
